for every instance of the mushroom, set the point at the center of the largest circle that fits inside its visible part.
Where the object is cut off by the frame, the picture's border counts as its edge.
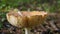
(26, 19)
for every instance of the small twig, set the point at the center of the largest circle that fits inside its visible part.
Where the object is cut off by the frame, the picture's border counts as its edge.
(20, 13)
(28, 10)
(53, 25)
(43, 27)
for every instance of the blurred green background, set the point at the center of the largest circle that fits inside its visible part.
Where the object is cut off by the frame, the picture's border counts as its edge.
(40, 5)
(46, 5)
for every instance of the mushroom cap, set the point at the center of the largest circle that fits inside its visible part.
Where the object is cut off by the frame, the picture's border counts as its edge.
(28, 19)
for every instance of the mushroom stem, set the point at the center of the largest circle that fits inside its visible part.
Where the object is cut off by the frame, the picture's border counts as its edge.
(27, 31)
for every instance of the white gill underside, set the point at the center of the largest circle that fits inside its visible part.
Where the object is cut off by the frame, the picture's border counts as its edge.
(13, 20)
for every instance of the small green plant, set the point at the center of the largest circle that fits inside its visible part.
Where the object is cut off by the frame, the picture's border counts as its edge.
(2, 19)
